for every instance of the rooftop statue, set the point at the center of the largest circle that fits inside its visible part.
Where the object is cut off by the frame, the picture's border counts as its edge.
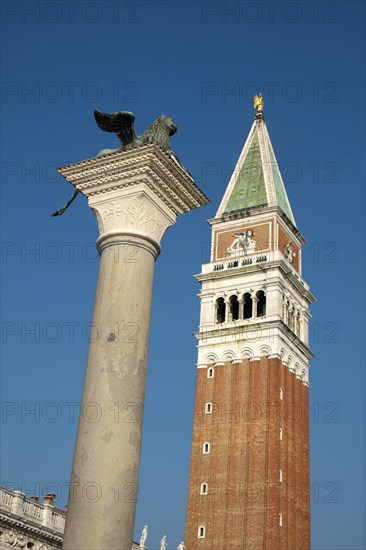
(122, 124)
(258, 103)
(143, 537)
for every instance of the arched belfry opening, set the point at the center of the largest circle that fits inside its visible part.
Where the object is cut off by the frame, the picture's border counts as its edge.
(261, 303)
(248, 306)
(234, 308)
(220, 310)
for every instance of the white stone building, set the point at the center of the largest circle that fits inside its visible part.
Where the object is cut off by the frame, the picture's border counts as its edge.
(27, 523)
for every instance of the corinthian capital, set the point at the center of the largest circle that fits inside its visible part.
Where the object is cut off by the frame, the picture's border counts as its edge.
(136, 192)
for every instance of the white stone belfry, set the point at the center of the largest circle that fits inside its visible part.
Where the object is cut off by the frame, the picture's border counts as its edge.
(136, 195)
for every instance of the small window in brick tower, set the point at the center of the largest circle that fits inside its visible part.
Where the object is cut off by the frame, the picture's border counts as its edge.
(220, 310)
(234, 308)
(204, 489)
(208, 408)
(201, 532)
(248, 306)
(206, 448)
(261, 304)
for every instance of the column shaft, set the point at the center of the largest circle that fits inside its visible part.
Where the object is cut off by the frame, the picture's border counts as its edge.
(102, 501)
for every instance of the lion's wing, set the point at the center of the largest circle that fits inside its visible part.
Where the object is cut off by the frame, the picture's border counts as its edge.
(121, 123)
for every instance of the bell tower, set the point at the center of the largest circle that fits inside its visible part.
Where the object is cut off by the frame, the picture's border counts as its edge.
(249, 478)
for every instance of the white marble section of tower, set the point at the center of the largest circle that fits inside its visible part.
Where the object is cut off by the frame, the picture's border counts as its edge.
(254, 301)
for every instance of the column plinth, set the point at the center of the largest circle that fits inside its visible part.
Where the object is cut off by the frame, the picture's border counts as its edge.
(136, 195)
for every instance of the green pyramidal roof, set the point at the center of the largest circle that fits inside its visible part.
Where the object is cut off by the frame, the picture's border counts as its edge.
(249, 189)
(256, 180)
(281, 196)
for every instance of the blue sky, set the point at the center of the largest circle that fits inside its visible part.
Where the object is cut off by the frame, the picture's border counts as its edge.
(201, 63)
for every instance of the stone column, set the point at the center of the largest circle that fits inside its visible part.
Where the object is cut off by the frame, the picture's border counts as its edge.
(17, 503)
(241, 307)
(254, 305)
(284, 305)
(227, 311)
(136, 195)
(47, 514)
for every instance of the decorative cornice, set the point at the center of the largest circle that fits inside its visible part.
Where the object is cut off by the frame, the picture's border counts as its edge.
(252, 268)
(32, 530)
(225, 332)
(148, 164)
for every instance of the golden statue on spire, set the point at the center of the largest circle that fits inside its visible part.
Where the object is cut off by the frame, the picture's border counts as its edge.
(258, 103)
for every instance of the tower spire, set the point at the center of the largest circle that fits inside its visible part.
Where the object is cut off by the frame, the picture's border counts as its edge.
(256, 180)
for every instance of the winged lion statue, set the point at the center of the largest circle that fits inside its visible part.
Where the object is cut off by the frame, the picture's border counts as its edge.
(122, 124)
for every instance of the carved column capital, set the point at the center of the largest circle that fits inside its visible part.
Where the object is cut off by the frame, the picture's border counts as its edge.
(135, 193)
(136, 219)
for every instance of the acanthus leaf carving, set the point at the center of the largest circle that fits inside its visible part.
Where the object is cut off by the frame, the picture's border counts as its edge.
(138, 214)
